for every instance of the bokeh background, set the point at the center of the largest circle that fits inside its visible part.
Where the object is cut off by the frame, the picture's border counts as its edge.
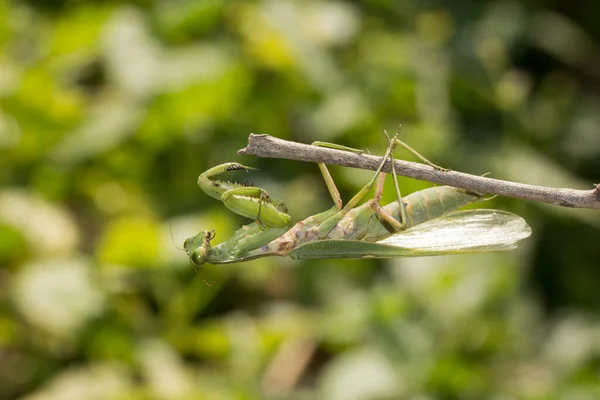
(110, 110)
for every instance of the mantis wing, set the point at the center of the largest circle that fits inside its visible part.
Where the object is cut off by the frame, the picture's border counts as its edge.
(470, 231)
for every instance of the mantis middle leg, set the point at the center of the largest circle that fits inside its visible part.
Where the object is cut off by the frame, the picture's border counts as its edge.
(334, 192)
(326, 227)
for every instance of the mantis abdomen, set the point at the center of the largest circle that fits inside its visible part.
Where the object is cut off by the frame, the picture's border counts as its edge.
(421, 206)
(434, 202)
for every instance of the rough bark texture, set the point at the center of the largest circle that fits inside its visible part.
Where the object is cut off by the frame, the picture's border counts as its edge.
(271, 147)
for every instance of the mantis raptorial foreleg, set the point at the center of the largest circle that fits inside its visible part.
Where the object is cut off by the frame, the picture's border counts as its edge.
(244, 200)
(254, 202)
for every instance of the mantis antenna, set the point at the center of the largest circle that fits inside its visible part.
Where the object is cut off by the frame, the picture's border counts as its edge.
(173, 239)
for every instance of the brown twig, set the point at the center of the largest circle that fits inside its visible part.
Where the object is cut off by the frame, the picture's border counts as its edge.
(271, 147)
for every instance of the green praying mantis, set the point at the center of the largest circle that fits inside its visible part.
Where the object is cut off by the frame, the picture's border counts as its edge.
(424, 223)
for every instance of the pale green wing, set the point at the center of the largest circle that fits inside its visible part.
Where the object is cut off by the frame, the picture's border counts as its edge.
(468, 231)
(342, 248)
(471, 230)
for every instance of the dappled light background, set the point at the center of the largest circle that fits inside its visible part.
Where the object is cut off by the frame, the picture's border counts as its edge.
(110, 110)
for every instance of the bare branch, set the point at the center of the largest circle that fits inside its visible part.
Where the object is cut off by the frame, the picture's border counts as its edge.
(271, 147)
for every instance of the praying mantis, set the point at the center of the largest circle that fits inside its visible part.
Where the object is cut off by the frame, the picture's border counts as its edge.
(424, 223)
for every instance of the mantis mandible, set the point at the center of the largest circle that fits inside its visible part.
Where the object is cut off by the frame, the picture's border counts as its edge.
(421, 224)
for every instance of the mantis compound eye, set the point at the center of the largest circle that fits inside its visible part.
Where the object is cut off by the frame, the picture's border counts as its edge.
(198, 247)
(198, 257)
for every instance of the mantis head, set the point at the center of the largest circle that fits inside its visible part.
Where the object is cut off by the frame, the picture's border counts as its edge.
(198, 247)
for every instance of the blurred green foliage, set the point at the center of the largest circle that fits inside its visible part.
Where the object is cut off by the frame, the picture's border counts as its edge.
(110, 110)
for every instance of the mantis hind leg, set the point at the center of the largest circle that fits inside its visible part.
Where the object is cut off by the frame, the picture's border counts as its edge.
(376, 202)
(326, 227)
(376, 205)
(403, 223)
(329, 224)
(416, 153)
(398, 225)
